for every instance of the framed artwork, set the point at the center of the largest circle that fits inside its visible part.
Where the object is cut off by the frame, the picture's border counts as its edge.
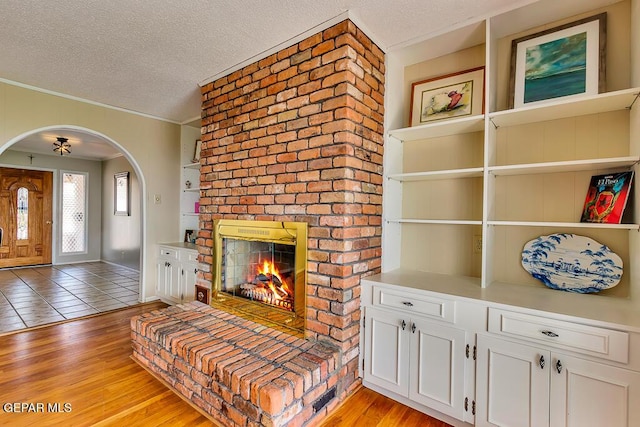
(189, 236)
(196, 151)
(561, 62)
(121, 196)
(448, 96)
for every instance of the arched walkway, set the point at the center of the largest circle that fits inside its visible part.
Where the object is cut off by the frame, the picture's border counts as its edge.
(140, 210)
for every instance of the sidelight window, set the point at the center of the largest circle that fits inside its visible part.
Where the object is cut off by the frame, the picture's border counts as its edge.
(22, 220)
(74, 208)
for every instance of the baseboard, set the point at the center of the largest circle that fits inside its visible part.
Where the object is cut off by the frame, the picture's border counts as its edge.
(119, 265)
(418, 407)
(75, 262)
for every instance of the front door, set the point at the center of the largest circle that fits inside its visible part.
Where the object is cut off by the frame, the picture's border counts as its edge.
(25, 217)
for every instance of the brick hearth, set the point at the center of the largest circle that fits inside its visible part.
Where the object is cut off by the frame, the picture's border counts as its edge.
(239, 372)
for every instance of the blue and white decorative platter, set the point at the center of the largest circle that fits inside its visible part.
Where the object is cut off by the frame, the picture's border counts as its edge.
(573, 263)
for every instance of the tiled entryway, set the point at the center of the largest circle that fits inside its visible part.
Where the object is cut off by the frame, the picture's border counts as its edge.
(36, 296)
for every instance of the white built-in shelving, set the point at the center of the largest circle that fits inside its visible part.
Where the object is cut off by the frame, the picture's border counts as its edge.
(190, 171)
(463, 196)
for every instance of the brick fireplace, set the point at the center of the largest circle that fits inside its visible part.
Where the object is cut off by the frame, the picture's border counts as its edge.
(298, 136)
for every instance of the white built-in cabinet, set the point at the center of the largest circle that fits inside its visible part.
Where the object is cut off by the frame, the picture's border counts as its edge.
(466, 359)
(176, 265)
(527, 385)
(461, 198)
(416, 358)
(419, 349)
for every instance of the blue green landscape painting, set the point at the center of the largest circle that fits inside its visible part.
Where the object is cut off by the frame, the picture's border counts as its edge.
(556, 68)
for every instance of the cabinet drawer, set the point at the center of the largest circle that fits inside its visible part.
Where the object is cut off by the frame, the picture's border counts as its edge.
(167, 252)
(439, 308)
(575, 337)
(189, 256)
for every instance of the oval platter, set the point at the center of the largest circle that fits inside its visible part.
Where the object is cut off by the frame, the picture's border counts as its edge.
(572, 263)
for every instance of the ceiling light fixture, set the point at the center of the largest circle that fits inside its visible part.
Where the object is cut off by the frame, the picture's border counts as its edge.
(62, 146)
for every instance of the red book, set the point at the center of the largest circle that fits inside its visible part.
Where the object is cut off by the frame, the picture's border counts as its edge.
(607, 198)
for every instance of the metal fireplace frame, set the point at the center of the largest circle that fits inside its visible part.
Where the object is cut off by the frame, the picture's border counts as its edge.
(283, 232)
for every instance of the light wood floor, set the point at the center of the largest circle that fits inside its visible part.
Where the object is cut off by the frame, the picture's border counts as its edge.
(86, 364)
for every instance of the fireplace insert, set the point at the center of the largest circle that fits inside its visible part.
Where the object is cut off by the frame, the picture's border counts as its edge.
(260, 268)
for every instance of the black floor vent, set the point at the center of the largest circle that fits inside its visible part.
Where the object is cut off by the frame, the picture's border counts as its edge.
(322, 402)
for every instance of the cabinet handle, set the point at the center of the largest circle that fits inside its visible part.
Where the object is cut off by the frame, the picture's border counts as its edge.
(559, 366)
(195, 271)
(407, 303)
(550, 334)
(168, 264)
(413, 328)
(403, 324)
(541, 362)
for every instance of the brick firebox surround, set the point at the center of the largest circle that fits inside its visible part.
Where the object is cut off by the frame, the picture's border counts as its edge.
(298, 136)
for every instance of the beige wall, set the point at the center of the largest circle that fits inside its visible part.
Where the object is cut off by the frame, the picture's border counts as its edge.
(152, 146)
(120, 233)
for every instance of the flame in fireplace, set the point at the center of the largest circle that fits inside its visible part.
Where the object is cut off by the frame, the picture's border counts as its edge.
(269, 269)
(280, 290)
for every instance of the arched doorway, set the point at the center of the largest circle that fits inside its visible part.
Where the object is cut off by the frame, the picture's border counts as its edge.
(32, 151)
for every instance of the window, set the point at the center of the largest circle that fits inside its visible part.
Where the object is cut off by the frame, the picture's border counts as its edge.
(23, 214)
(74, 218)
(121, 194)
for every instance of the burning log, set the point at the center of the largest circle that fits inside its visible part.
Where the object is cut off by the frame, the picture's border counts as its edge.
(258, 292)
(272, 282)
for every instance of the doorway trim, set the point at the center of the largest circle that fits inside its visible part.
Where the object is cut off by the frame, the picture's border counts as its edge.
(137, 169)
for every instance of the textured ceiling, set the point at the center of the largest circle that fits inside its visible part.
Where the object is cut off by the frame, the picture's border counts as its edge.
(150, 56)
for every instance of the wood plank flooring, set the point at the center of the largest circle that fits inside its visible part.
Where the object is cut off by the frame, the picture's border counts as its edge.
(84, 367)
(366, 408)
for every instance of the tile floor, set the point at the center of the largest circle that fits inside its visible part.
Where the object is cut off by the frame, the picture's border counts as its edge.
(36, 296)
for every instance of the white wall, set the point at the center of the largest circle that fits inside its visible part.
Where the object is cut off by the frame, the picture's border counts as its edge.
(20, 159)
(152, 145)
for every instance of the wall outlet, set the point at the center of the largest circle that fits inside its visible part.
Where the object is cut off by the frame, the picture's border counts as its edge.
(477, 244)
(157, 199)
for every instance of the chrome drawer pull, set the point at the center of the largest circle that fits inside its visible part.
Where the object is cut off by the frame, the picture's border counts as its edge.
(407, 303)
(550, 334)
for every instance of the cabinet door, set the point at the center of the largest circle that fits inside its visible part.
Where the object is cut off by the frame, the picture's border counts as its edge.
(169, 279)
(173, 282)
(585, 393)
(437, 361)
(512, 384)
(386, 356)
(188, 281)
(161, 272)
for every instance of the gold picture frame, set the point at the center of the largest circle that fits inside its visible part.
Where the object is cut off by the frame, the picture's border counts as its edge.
(447, 97)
